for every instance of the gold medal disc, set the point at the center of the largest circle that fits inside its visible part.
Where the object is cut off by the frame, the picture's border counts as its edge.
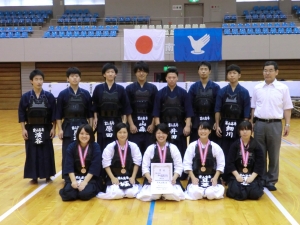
(203, 169)
(123, 171)
(83, 170)
(245, 170)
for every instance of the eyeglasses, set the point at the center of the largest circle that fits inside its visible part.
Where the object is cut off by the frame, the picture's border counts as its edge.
(268, 71)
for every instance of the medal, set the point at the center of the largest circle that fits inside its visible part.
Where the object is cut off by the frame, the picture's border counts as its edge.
(123, 171)
(82, 157)
(123, 156)
(162, 154)
(245, 155)
(203, 154)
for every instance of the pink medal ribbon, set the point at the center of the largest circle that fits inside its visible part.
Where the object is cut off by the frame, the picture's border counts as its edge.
(162, 155)
(82, 157)
(123, 156)
(203, 155)
(245, 155)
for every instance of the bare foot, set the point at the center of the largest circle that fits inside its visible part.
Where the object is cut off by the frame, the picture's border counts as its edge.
(33, 181)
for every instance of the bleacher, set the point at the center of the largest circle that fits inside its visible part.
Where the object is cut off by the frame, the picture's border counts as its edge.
(264, 14)
(15, 32)
(260, 28)
(78, 17)
(81, 31)
(24, 18)
(296, 11)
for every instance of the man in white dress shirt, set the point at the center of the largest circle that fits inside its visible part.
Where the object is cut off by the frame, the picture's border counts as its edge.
(271, 102)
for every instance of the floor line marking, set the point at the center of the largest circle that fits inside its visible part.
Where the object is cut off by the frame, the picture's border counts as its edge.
(151, 212)
(280, 207)
(20, 203)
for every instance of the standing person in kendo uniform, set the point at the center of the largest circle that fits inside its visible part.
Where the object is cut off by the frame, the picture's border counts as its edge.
(203, 96)
(110, 105)
(141, 95)
(245, 165)
(173, 107)
(73, 108)
(204, 161)
(232, 107)
(82, 167)
(37, 118)
(121, 160)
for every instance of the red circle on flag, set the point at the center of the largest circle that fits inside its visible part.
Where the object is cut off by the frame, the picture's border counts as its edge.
(144, 44)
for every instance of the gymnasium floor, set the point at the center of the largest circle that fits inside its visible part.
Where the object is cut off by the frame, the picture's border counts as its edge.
(23, 203)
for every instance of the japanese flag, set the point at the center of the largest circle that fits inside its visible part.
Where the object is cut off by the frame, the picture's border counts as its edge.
(144, 44)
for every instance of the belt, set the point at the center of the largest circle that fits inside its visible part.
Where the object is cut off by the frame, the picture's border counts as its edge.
(268, 120)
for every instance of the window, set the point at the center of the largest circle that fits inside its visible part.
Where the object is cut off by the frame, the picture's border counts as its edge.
(25, 2)
(84, 2)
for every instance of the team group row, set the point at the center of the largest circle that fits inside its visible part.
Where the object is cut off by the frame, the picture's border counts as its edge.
(142, 106)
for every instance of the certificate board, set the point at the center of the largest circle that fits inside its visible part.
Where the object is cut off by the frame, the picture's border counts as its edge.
(161, 174)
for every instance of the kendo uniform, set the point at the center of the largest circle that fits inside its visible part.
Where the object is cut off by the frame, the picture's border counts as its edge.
(215, 160)
(74, 109)
(110, 106)
(203, 101)
(112, 159)
(38, 115)
(242, 191)
(233, 108)
(141, 101)
(172, 107)
(152, 156)
(73, 165)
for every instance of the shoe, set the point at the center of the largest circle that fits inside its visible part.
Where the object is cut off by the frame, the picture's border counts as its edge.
(48, 180)
(33, 181)
(271, 188)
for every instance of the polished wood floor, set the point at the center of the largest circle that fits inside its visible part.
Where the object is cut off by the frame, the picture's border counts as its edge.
(46, 207)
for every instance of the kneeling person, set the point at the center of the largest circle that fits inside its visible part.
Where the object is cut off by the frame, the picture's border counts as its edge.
(245, 163)
(82, 167)
(121, 160)
(204, 161)
(162, 152)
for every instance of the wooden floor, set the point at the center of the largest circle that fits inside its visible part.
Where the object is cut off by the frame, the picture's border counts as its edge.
(44, 205)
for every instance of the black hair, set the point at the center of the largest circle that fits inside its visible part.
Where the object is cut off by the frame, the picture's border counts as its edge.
(233, 67)
(141, 65)
(118, 127)
(271, 63)
(73, 70)
(164, 128)
(172, 69)
(36, 73)
(245, 125)
(204, 63)
(205, 125)
(87, 129)
(108, 66)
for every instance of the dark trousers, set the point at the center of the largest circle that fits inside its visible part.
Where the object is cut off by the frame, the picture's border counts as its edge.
(241, 192)
(68, 193)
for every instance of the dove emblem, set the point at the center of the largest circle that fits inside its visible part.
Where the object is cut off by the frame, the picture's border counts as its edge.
(199, 44)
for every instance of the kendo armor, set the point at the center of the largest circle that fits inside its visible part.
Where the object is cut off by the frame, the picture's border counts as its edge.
(110, 105)
(204, 101)
(38, 111)
(75, 107)
(141, 103)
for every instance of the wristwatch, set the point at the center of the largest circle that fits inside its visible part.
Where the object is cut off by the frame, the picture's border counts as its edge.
(287, 125)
